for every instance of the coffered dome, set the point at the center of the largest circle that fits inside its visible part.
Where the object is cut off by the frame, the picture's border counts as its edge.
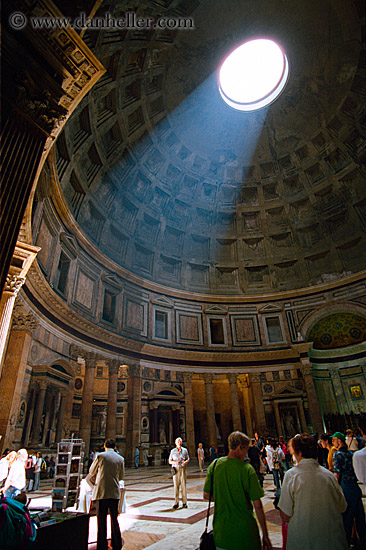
(175, 186)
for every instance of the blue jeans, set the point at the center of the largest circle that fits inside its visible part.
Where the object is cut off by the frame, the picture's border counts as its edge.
(37, 477)
(277, 475)
(12, 492)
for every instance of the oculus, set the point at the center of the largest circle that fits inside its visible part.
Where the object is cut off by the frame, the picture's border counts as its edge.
(253, 75)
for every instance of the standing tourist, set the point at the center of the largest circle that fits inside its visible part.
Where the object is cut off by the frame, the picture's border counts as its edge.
(137, 457)
(212, 452)
(29, 471)
(351, 441)
(179, 458)
(275, 459)
(5, 464)
(344, 472)
(359, 457)
(311, 502)
(37, 471)
(15, 482)
(254, 456)
(326, 442)
(201, 456)
(107, 470)
(235, 488)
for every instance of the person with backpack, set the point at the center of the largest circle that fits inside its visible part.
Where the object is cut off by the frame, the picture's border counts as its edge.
(29, 471)
(15, 482)
(275, 459)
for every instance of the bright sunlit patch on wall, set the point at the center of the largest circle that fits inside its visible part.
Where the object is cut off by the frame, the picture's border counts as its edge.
(253, 75)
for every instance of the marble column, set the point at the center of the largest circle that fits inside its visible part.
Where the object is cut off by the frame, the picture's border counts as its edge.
(133, 436)
(244, 384)
(23, 257)
(235, 407)
(210, 410)
(188, 394)
(304, 426)
(111, 425)
(61, 417)
(38, 414)
(30, 416)
(314, 408)
(47, 418)
(87, 399)
(260, 417)
(12, 287)
(65, 430)
(277, 419)
(15, 363)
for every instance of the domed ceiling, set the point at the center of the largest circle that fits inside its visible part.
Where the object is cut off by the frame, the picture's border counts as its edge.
(179, 188)
(338, 331)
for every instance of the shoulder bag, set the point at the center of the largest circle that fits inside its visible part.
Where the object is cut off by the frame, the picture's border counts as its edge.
(207, 540)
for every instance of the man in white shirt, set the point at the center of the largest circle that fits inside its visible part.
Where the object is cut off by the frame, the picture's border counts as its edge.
(178, 458)
(359, 457)
(312, 502)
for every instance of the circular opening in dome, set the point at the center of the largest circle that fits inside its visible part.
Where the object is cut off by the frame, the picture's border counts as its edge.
(253, 75)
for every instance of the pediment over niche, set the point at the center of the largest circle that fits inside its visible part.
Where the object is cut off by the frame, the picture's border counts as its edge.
(215, 309)
(287, 392)
(269, 308)
(112, 280)
(162, 301)
(70, 243)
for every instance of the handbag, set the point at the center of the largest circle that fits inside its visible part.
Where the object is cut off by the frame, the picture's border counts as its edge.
(173, 471)
(207, 541)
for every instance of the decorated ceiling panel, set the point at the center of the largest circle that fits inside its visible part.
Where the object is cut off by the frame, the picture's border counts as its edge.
(175, 186)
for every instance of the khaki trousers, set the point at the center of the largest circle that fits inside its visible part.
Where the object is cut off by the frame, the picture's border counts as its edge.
(180, 481)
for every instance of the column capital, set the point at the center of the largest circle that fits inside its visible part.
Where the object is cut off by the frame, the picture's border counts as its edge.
(22, 319)
(75, 352)
(232, 377)
(134, 369)
(113, 365)
(187, 377)
(208, 378)
(13, 283)
(90, 359)
(255, 377)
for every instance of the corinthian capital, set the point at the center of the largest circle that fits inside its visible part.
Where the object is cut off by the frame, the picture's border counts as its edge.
(232, 377)
(22, 319)
(187, 377)
(134, 369)
(113, 365)
(13, 283)
(255, 377)
(75, 352)
(208, 378)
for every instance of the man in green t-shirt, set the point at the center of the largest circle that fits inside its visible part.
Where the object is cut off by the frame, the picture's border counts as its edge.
(235, 488)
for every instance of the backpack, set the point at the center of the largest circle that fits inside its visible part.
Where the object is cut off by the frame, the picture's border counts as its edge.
(17, 529)
(276, 460)
(29, 464)
(43, 464)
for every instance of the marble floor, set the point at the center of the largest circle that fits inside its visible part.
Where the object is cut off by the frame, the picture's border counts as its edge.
(151, 522)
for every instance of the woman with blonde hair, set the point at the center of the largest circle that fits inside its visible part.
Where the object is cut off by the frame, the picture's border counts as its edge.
(5, 464)
(15, 482)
